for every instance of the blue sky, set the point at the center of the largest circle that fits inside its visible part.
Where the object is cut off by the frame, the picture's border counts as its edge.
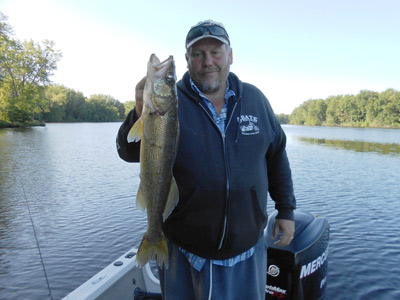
(292, 50)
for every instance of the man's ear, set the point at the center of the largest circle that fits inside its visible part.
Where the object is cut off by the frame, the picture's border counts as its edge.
(187, 60)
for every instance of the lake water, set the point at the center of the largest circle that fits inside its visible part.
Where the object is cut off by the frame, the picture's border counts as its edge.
(81, 197)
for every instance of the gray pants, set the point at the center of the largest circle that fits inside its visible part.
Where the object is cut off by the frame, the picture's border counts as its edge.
(245, 280)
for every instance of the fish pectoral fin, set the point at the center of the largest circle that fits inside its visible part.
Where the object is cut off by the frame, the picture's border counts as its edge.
(140, 203)
(173, 198)
(135, 134)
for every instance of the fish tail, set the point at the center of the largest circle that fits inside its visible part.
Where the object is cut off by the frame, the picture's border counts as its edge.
(157, 250)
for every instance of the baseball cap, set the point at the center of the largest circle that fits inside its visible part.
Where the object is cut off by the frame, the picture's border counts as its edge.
(207, 29)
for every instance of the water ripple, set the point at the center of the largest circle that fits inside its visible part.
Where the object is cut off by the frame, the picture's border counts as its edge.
(82, 198)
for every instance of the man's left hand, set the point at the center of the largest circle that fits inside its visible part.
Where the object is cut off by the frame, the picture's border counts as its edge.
(287, 229)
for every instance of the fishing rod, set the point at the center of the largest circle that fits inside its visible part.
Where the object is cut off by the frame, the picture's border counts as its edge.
(36, 238)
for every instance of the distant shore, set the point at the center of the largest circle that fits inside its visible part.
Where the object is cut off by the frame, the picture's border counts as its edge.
(282, 122)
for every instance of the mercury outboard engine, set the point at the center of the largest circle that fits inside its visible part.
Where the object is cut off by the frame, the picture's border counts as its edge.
(298, 271)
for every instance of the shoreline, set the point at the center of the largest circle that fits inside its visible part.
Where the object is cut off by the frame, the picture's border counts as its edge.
(346, 126)
(4, 125)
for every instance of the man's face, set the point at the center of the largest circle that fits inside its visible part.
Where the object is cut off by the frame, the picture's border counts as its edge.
(208, 62)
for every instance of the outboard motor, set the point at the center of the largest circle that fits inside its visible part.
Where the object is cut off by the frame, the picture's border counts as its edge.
(298, 271)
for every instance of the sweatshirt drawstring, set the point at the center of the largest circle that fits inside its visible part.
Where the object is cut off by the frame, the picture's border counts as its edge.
(238, 124)
(210, 290)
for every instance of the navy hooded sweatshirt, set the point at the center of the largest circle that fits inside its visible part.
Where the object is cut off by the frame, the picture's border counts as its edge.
(224, 179)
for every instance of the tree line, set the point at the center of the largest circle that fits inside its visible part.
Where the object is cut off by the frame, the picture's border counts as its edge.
(366, 109)
(68, 105)
(25, 68)
(27, 96)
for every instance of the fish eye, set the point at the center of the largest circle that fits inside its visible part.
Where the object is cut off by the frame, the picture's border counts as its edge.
(170, 78)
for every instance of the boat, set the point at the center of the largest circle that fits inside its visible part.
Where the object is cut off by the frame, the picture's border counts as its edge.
(297, 271)
(118, 280)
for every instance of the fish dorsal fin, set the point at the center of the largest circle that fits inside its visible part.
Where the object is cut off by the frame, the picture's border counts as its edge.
(135, 134)
(140, 203)
(173, 198)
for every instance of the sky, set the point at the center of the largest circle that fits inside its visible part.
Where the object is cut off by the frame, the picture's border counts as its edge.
(293, 51)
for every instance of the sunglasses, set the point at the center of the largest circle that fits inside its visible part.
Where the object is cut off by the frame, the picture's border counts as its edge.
(198, 31)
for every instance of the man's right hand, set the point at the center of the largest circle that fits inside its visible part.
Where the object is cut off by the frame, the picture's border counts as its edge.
(139, 96)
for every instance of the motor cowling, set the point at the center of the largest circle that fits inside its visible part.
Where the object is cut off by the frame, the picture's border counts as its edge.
(299, 270)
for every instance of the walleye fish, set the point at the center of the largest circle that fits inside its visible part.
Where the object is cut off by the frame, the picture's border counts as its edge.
(158, 131)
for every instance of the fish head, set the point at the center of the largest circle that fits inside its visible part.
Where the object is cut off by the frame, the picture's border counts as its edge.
(160, 88)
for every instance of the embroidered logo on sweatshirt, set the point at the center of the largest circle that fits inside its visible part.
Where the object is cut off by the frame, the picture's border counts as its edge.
(248, 124)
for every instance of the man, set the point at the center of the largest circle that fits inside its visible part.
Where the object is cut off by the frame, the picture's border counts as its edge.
(231, 153)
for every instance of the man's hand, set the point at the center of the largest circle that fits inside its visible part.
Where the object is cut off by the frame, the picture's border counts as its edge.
(139, 96)
(287, 229)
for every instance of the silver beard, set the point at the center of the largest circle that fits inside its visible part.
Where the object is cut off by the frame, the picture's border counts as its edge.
(209, 88)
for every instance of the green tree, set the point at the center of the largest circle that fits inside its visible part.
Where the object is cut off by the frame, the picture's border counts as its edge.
(299, 114)
(283, 118)
(368, 100)
(363, 102)
(75, 106)
(316, 112)
(332, 110)
(103, 108)
(366, 109)
(129, 105)
(56, 95)
(120, 107)
(348, 113)
(25, 68)
(65, 105)
(68, 105)
(390, 115)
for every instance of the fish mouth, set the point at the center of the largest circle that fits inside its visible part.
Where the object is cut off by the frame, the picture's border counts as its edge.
(157, 65)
